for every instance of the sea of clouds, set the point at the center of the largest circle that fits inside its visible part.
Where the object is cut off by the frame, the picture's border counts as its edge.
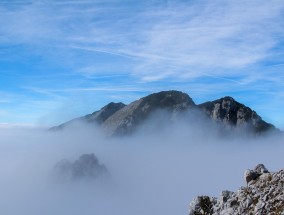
(157, 170)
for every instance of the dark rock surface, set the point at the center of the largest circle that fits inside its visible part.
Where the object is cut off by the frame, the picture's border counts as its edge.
(103, 114)
(87, 167)
(260, 168)
(264, 194)
(233, 114)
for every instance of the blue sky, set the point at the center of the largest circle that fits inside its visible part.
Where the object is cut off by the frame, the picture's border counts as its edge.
(66, 58)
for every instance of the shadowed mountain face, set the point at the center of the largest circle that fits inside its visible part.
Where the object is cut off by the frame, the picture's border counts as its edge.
(120, 119)
(234, 114)
(103, 114)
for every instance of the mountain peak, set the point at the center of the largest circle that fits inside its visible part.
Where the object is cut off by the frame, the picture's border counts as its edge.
(118, 118)
(129, 117)
(167, 99)
(229, 98)
(234, 114)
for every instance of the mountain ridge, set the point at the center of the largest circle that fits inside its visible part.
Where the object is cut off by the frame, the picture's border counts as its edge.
(98, 116)
(121, 119)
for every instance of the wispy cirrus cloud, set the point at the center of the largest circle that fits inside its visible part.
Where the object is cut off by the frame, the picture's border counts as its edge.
(170, 39)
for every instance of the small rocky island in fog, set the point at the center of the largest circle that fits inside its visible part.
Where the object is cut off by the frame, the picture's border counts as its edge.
(263, 195)
(87, 167)
(225, 113)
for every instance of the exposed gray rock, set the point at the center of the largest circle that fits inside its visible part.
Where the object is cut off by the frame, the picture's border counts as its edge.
(233, 114)
(87, 167)
(201, 205)
(260, 168)
(263, 195)
(251, 175)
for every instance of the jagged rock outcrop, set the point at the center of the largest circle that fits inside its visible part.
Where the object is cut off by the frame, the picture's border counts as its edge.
(251, 175)
(233, 114)
(128, 118)
(87, 167)
(263, 195)
(97, 117)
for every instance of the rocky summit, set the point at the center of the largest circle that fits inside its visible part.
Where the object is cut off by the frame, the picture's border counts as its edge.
(127, 119)
(121, 119)
(263, 195)
(234, 114)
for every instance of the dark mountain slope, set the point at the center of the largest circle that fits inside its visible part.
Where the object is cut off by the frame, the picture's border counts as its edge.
(234, 114)
(104, 113)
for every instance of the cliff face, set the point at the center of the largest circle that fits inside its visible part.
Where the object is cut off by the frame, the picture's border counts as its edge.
(234, 114)
(264, 194)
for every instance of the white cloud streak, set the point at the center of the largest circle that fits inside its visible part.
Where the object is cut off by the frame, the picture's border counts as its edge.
(193, 36)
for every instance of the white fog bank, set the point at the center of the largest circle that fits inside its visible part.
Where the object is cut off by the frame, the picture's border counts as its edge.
(150, 174)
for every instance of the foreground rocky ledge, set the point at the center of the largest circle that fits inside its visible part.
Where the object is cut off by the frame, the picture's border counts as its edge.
(263, 195)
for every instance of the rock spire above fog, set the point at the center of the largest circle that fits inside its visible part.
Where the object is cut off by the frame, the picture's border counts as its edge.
(121, 119)
(87, 167)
